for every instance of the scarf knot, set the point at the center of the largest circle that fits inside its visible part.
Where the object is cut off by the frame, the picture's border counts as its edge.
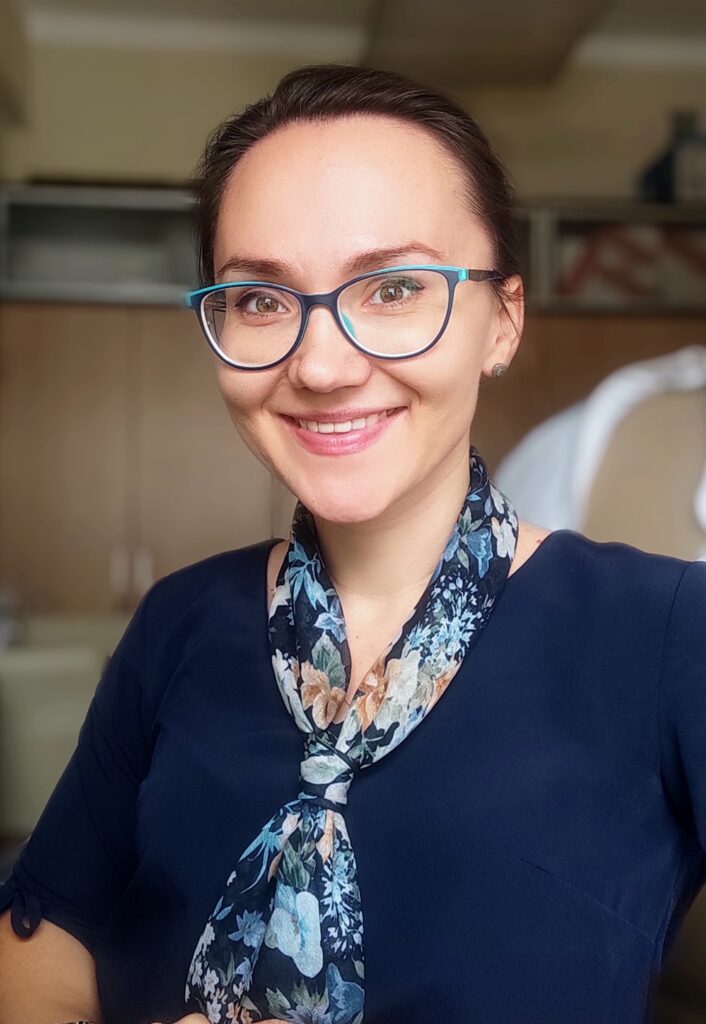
(326, 773)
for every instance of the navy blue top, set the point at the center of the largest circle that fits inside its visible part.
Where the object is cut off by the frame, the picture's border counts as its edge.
(525, 855)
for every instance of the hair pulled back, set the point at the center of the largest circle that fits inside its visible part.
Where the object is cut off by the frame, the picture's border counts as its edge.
(323, 92)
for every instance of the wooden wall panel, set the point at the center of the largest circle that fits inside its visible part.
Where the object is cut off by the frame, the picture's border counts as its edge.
(63, 455)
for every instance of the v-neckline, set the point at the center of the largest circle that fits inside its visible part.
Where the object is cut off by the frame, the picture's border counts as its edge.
(533, 563)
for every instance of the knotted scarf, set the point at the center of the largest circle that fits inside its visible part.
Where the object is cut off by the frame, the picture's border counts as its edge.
(285, 939)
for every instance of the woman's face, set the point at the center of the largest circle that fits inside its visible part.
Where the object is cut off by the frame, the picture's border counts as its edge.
(313, 196)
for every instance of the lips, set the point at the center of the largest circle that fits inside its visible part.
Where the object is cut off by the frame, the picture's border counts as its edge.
(343, 442)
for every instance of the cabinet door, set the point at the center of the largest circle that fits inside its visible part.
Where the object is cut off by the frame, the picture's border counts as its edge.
(63, 454)
(195, 487)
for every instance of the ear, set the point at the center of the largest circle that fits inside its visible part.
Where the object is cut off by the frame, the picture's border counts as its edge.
(510, 323)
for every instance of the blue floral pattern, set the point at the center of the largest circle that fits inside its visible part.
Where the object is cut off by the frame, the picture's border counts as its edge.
(285, 940)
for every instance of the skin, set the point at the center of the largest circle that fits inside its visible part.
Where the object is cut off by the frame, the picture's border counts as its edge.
(285, 197)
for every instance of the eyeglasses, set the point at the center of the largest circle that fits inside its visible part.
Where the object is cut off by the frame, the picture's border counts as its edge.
(393, 313)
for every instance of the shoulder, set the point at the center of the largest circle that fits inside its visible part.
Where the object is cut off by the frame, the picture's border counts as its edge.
(222, 594)
(235, 573)
(616, 558)
(614, 577)
(217, 600)
(529, 537)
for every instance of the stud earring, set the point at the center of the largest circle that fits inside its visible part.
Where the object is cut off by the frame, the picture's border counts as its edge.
(498, 370)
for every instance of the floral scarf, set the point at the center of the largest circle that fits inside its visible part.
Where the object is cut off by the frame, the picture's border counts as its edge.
(285, 940)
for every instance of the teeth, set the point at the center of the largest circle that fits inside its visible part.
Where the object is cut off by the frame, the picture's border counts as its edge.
(344, 427)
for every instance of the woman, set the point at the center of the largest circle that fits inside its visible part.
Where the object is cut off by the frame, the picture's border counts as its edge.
(475, 788)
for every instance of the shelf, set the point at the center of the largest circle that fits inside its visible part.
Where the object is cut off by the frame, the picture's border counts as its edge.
(599, 256)
(97, 196)
(615, 210)
(92, 244)
(89, 243)
(121, 292)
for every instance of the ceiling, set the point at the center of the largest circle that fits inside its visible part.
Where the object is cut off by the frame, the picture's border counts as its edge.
(449, 43)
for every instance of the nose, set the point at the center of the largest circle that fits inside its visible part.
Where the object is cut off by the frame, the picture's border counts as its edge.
(325, 359)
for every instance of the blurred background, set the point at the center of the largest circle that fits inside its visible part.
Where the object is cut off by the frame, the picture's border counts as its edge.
(118, 462)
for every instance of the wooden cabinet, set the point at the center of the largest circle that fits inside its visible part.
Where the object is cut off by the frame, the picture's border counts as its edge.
(118, 460)
(63, 452)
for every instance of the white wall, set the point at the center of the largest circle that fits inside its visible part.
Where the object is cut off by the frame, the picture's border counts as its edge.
(140, 115)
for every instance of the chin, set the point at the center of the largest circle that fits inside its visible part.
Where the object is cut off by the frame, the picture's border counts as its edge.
(343, 515)
(342, 505)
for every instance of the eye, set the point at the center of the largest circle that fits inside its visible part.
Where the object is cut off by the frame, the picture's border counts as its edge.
(396, 290)
(258, 303)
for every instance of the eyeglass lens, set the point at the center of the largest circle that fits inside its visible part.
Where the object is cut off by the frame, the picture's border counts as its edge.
(391, 314)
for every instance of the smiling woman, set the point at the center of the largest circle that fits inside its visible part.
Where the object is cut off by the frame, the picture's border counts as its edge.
(356, 774)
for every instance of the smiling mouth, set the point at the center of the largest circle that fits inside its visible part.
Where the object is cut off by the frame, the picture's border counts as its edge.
(342, 437)
(345, 426)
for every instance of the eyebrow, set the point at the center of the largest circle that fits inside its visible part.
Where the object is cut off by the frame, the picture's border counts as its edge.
(268, 269)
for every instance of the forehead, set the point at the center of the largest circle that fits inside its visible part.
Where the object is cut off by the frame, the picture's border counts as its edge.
(319, 191)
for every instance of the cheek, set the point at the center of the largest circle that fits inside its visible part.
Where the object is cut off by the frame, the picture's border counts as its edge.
(447, 377)
(243, 395)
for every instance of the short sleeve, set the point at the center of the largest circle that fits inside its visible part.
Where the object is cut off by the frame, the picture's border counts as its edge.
(683, 702)
(81, 853)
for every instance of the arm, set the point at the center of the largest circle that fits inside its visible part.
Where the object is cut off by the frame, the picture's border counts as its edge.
(80, 856)
(50, 978)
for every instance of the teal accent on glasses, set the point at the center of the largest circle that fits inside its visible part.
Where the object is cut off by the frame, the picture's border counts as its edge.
(349, 325)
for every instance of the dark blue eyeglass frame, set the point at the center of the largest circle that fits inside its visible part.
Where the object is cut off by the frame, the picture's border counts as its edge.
(307, 301)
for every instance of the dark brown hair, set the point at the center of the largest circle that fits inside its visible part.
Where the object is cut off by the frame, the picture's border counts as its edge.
(322, 92)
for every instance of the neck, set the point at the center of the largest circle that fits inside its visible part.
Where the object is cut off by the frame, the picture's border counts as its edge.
(388, 561)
